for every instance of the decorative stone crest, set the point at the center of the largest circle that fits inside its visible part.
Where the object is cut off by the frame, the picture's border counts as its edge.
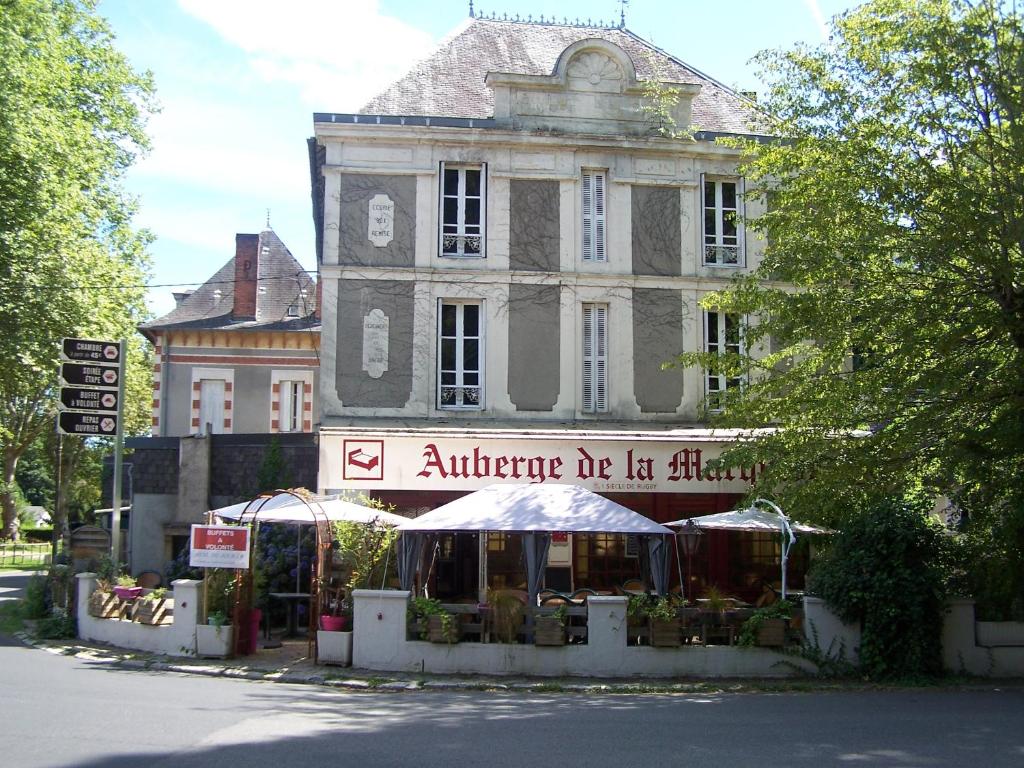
(597, 70)
(376, 326)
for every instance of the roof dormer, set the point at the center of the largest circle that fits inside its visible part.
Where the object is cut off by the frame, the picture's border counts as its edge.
(592, 89)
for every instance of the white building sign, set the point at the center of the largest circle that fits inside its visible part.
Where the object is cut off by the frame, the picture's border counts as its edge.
(436, 462)
(381, 228)
(375, 343)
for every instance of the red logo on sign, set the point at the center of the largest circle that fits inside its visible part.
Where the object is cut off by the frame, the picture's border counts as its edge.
(363, 460)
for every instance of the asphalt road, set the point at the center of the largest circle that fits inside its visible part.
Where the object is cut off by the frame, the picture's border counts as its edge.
(63, 711)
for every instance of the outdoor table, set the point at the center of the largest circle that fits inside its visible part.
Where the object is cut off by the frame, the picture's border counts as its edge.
(292, 600)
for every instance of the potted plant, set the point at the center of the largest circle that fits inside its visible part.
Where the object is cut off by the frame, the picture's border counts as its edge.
(334, 638)
(153, 607)
(214, 639)
(126, 589)
(550, 630)
(103, 603)
(767, 626)
(666, 626)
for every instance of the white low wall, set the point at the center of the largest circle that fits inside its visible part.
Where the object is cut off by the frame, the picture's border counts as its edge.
(835, 639)
(379, 643)
(175, 639)
(980, 648)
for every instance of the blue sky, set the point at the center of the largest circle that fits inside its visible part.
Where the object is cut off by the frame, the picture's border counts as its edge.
(238, 82)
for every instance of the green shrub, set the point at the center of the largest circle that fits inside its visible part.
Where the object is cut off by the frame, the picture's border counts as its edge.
(783, 609)
(35, 598)
(887, 571)
(59, 626)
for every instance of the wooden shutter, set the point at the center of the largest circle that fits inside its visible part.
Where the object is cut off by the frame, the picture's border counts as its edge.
(595, 358)
(594, 216)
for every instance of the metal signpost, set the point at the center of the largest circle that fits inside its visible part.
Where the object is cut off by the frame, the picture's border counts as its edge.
(92, 403)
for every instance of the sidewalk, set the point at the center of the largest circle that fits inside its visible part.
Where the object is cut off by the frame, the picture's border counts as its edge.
(291, 664)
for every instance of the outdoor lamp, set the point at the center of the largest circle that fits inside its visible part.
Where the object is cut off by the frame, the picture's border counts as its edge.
(690, 534)
(788, 537)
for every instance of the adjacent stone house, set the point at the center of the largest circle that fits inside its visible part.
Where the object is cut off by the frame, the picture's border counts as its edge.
(236, 368)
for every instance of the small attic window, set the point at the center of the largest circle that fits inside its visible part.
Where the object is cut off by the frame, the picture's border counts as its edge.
(293, 310)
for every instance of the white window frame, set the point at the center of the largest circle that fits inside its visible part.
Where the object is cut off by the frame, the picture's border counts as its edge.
(291, 399)
(459, 236)
(719, 323)
(594, 205)
(595, 358)
(460, 389)
(281, 402)
(713, 247)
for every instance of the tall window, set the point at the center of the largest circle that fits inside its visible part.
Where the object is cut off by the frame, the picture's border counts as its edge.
(723, 335)
(594, 183)
(462, 210)
(595, 358)
(291, 406)
(211, 406)
(723, 233)
(460, 351)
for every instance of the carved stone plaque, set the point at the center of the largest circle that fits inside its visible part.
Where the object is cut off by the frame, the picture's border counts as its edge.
(375, 343)
(381, 228)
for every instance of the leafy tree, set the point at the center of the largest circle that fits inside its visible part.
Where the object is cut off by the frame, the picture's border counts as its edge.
(72, 116)
(889, 345)
(273, 472)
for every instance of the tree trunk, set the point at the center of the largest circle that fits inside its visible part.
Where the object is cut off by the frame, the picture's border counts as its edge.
(10, 512)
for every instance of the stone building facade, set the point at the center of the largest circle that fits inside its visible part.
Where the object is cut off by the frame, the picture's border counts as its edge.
(512, 246)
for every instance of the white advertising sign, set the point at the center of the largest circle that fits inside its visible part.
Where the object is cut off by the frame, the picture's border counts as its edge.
(219, 546)
(432, 462)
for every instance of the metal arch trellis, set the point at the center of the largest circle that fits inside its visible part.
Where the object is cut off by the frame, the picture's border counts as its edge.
(244, 585)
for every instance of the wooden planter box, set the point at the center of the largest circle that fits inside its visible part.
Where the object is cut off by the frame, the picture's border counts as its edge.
(153, 611)
(772, 633)
(548, 630)
(103, 605)
(666, 633)
(436, 633)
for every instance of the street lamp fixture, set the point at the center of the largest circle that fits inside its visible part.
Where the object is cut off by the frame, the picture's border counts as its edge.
(689, 535)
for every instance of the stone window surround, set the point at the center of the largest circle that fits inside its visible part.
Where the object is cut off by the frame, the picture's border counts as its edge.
(462, 166)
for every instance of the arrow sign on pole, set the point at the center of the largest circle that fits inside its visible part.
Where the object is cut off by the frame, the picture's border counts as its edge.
(91, 350)
(78, 399)
(74, 423)
(90, 375)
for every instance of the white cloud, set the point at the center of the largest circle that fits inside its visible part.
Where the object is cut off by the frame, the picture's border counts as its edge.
(338, 54)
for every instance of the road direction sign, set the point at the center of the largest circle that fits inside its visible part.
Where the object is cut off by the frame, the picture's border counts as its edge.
(91, 350)
(76, 423)
(78, 399)
(89, 374)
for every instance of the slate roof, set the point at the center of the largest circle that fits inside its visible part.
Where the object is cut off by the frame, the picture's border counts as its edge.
(450, 82)
(281, 279)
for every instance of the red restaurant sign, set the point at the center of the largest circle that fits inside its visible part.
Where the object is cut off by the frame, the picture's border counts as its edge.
(219, 546)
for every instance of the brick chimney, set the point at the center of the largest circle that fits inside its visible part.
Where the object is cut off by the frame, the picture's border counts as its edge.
(319, 297)
(247, 271)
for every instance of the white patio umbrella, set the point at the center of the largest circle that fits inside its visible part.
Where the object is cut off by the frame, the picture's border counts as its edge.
(289, 509)
(754, 519)
(534, 510)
